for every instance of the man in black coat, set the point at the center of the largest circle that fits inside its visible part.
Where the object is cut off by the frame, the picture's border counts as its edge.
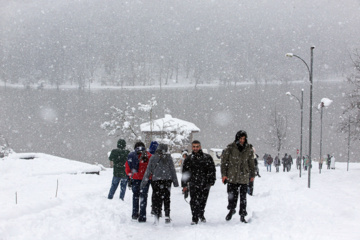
(198, 175)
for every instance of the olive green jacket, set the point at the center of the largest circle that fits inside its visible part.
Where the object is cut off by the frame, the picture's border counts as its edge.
(237, 166)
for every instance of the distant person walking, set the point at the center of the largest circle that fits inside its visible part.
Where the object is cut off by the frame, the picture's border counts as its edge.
(290, 162)
(118, 159)
(306, 163)
(265, 158)
(284, 162)
(298, 162)
(277, 163)
(269, 161)
(321, 160)
(328, 161)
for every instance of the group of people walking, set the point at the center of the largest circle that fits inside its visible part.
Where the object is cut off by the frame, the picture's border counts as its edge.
(286, 161)
(141, 168)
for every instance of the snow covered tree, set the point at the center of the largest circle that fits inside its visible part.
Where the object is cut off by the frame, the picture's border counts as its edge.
(5, 150)
(351, 120)
(123, 123)
(176, 136)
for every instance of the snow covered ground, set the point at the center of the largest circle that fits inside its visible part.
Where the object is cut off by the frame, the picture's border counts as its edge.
(283, 207)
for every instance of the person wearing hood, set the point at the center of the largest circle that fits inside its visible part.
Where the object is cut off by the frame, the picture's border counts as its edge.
(237, 169)
(118, 159)
(184, 155)
(135, 168)
(162, 169)
(153, 147)
(198, 175)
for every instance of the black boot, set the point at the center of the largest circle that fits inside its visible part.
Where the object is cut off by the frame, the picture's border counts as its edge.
(195, 221)
(167, 219)
(167, 216)
(242, 219)
(230, 214)
(135, 217)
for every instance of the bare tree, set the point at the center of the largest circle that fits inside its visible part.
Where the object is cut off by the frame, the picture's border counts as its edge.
(351, 119)
(277, 130)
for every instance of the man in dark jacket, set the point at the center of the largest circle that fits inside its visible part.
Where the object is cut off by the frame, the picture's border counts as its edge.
(198, 175)
(237, 169)
(284, 161)
(118, 159)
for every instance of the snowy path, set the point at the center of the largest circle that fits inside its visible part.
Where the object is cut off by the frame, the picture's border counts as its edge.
(282, 208)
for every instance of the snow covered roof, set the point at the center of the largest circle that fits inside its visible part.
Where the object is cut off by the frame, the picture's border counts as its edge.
(45, 164)
(168, 123)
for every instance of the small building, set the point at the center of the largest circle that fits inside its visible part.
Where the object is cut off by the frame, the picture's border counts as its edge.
(216, 155)
(169, 129)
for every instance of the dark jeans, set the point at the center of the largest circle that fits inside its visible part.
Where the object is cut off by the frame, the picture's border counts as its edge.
(139, 197)
(288, 167)
(250, 188)
(114, 185)
(199, 195)
(233, 194)
(161, 194)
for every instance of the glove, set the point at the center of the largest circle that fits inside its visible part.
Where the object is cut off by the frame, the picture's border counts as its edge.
(130, 183)
(186, 194)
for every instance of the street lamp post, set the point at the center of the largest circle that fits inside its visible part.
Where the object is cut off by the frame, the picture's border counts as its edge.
(321, 120)
(348, 146)
(310, 70)
(301, 131)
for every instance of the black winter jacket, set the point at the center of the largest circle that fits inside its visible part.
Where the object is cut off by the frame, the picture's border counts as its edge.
(198, 169)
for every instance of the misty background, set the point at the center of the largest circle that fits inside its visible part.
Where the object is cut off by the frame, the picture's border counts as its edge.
(231, 54)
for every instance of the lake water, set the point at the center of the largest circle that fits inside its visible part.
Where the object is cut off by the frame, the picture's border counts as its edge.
(67, 122)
